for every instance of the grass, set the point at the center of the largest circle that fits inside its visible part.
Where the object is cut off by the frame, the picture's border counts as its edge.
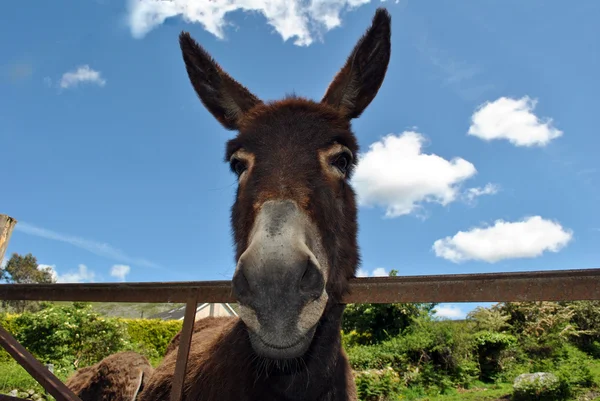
(13, 376)
(478, 392)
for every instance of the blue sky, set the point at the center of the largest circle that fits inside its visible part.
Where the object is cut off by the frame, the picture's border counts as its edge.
(479, 154)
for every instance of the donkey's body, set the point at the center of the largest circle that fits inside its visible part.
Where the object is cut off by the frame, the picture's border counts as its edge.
(119, 377)
(294, 227)
(222, 366)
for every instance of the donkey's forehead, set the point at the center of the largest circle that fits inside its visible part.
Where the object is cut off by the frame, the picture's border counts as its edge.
(292, 108)
(292, 123)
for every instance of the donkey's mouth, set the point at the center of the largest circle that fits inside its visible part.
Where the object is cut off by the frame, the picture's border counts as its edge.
(288, 350)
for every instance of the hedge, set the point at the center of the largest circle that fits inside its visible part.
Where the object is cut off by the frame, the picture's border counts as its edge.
(56, 332)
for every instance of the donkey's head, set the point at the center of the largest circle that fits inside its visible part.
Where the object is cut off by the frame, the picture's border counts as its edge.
(294, 216)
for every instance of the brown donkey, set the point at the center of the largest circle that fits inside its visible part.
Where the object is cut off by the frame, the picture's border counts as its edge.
(294, 226)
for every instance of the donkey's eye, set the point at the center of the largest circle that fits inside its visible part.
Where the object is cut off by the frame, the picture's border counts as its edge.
(342, 161)
(238, 166)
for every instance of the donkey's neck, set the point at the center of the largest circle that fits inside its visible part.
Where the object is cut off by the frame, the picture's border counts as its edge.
(237, 373)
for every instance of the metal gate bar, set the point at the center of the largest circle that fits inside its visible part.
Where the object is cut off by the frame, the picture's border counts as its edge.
(554, 285)
(183, 350)
(38, 371)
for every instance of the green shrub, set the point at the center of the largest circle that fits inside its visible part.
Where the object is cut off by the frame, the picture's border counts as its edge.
(432, 354)
(150, 337)
(7, 321)
(373, 323)
(378, 385)
(574, 369)
(491, 353)
(70, 335)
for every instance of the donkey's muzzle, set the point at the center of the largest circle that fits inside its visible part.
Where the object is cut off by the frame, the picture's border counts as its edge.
(279, 283)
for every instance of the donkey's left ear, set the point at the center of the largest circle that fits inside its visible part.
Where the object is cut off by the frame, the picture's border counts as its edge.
(224, 97)
(357, 83)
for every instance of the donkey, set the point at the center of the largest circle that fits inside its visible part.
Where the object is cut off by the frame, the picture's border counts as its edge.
(294, 228)
(118, 377)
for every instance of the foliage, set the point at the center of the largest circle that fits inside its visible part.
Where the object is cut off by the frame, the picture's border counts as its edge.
(491, 353)
(488, 319)
(373, 323)
(73, 335)
(494, 344)
(7, 322)
(25, 270)
(69, 335)
(586, 316)
(431, 354)
(378, 385)
(150, 337)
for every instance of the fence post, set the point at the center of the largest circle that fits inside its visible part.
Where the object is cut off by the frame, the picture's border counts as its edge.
(7, 224)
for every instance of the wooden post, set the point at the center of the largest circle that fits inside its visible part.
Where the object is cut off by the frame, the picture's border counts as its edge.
(7, 224)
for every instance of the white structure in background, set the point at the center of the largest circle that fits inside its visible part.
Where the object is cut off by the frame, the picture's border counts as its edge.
(202, 311)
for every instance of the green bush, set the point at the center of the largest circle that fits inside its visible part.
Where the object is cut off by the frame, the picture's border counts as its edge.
(74, 335)
(432, 354)
(378, 385)
(150, 337)
(69, 335)
(374, 323)
(491, 353)
(7, 321)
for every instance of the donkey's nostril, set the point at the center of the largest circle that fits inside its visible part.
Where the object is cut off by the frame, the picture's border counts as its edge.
(240, 285)
(312, 281)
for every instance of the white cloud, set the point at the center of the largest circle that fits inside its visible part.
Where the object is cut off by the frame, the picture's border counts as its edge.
(472, 193)
(83, 74)
(120, 271)
(513, 120)
(81, 275)
(380, 272)
(449, 312)
(395, 174)
(528, 238)
(298, 19)
(98, 248)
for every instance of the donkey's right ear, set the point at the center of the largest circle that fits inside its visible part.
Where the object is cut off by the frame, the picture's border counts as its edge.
(225, 98)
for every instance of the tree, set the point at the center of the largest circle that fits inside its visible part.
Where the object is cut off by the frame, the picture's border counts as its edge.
(25, 270)
(374, 323)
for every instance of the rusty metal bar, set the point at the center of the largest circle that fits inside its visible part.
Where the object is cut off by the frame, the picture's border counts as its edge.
(175, 292)
(556, 285)
(183, 351)
(38, 371)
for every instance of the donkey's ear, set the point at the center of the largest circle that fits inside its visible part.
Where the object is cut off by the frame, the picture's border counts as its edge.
(223, 96)
(357, 83)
